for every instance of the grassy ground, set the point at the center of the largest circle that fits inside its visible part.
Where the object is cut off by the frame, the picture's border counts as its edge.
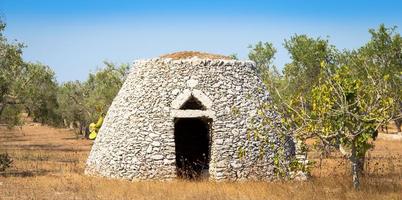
(49, 164)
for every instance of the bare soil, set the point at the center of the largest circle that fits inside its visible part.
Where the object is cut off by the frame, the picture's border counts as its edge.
(49, 164)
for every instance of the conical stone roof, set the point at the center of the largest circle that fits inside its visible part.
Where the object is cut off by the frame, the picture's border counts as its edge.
(139, 139)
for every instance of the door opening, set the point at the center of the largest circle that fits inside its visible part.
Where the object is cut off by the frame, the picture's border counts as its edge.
(192, 139)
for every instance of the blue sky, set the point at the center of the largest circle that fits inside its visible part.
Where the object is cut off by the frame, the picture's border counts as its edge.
(75, 36)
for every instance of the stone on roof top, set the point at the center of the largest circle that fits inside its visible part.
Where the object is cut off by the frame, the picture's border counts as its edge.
(192, 54)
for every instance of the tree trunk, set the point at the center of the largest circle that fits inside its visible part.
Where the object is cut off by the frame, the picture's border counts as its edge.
(2, 108)
(360, 164)
(29, 112)
(398, 123)
(71, 126)
(355, 168)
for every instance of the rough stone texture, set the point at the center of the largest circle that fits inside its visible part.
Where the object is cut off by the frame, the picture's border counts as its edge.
(136, 141)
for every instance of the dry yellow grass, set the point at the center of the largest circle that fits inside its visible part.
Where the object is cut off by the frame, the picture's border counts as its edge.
(49, 164)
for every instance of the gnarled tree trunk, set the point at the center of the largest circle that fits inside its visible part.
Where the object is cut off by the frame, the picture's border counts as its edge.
(356, 167)
(398, 123)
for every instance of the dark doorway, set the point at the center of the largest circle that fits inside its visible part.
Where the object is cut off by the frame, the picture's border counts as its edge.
(192, 147)
(193, 104)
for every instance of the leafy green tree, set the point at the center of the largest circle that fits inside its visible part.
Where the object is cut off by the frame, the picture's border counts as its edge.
(306, 53)
(70, 98)
(24, 87)
(32, 88)
(347, 112)
(38, 93)
(266, 122)
(339, 99)
(102, 86)
(384, 53)
(262, 54)
(83, 102)
(11, 69)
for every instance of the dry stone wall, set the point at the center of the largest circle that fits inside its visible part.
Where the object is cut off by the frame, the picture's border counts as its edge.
(136, 141)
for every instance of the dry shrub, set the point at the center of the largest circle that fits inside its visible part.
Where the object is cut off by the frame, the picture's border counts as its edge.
(5, 161)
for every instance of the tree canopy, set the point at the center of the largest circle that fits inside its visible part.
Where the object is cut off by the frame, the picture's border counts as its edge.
(32, 88)
(338, 98)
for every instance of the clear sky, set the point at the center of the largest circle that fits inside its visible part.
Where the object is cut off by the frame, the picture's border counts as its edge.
(75, 36)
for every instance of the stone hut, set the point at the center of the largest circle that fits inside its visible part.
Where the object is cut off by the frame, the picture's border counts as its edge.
(184, 115)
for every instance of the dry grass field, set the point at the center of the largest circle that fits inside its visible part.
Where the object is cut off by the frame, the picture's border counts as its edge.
(49, 164)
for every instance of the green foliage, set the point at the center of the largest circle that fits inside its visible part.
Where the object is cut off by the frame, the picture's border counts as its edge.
(38, 93)
(235, 111)
(24, 87)
(10, 63)
(11, 115)
(70, 97)
(234, 56)
(262, 54)
(347, 111)
(11, 68)
(338, 98)
(241, 152)
(32, 88)
(264, 123)
(102, 86)
(383, 53)
(306, 53)
(84, 102)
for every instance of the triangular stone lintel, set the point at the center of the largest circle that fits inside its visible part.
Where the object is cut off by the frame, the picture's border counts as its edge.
(182, 98)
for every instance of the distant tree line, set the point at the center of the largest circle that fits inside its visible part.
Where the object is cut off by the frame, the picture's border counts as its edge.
(31, 88)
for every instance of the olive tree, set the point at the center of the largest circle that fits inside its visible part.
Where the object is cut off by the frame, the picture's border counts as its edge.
(24, 87)
(38, 93)
(384, 53)
(11, 68)
(83, 102)
(338, 99)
